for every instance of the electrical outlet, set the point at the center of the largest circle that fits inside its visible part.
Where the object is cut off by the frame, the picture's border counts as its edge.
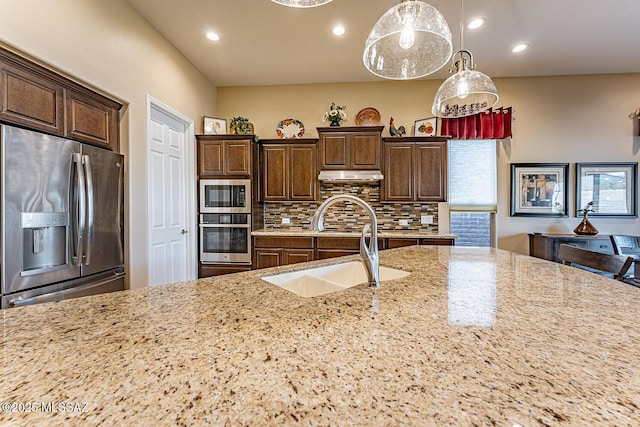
(286, 220)
(426, 219)
(404, 222)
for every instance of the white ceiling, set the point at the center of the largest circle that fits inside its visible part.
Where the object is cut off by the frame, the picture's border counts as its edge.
(263, 43)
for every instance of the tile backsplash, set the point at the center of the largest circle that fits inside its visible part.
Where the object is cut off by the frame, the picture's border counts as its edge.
(348, 216)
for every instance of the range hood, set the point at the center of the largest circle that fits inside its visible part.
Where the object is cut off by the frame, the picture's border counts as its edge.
(350, 175)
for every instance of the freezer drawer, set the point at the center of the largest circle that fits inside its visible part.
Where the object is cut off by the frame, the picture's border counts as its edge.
(92, 285)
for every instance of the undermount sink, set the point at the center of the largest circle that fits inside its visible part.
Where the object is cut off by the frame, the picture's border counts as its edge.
(323, 280)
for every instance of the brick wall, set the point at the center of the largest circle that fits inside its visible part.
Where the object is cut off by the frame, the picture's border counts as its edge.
(472, 228)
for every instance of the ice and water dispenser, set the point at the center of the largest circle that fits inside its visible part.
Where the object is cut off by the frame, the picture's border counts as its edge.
(44, 241)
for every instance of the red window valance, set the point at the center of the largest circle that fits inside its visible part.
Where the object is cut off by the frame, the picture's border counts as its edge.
(490, 124)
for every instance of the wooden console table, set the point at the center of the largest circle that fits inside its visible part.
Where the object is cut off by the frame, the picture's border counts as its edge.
(546, 246)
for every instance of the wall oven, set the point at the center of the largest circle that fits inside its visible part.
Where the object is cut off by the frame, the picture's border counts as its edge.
(225, 196)
(225, 238)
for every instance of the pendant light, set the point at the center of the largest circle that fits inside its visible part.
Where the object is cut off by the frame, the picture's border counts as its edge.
(302, 3)
(466, 92)
(411, 40)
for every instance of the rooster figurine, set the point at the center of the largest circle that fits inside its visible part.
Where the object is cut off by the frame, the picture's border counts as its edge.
(396, 132)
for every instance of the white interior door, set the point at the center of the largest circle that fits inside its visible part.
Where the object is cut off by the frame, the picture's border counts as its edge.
(170, 232)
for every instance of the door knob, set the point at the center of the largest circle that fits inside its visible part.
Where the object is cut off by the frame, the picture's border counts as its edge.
(183, 232)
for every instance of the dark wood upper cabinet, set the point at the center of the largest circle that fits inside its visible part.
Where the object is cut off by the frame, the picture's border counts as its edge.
(398, 172)
(39, 98)
(356, 148)
(90, 121)
(31, 100)
(289, 170)
(415, 169)
(431, 171)
(275, 175)
(303, 172)
(224, 155)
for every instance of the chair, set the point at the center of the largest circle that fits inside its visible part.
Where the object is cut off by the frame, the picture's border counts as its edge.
(617, 265)
(627, 245)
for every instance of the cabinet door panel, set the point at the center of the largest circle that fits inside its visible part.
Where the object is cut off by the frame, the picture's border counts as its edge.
(399, 243)
(237, 158)
(365, 150)
(334, 151)
(294, 256)
(431, 160)
(276, 172)
(210, 158)
(303, 173)
(398, 172)
(265, 258)
(32, 101)
(334, 253)
(90, 121)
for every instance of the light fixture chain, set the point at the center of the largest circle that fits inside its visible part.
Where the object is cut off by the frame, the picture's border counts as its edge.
(461, 25)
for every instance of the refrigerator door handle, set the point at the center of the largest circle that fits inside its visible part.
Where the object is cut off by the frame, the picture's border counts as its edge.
(90, 209)
(81, 207)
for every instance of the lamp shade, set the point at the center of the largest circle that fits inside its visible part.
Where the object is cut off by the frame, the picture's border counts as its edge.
(302, 3)
(465, 93)
(411, 40)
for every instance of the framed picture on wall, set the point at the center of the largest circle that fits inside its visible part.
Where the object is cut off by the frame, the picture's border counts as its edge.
(214, 126)
(539, 189)
(426, 127)
(612, 187)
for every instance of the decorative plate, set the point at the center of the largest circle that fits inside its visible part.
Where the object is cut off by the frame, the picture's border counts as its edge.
(290, 128)
(368, 117)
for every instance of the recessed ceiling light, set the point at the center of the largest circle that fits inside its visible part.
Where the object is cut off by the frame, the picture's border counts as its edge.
(519, 48)
(476, 23)
(213, 36)
(339, 30)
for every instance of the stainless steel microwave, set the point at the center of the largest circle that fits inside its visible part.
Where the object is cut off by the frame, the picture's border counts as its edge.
(225, 196)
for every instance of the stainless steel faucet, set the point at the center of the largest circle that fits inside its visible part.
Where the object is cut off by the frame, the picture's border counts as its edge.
(369, 255)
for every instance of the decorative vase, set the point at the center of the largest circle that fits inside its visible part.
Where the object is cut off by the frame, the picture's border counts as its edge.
(334, 124)
(585, 228)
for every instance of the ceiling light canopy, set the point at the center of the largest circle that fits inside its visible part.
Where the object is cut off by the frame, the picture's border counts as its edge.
(411, 40)
(466, 92)
(302, 3)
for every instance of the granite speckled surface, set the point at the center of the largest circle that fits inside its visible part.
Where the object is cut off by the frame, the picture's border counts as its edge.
(325, 233)
(472, 337)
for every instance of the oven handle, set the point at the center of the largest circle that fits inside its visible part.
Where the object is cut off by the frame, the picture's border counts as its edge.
(226, 225)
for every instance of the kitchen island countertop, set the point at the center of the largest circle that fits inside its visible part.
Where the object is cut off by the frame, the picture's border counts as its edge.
(474, 336)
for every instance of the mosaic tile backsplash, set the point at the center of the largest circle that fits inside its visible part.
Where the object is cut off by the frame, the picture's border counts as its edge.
(348, 216)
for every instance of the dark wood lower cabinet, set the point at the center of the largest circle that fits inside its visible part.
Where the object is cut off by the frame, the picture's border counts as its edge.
(208, 270)
(402, 242)
(293, 256)
(278, 250)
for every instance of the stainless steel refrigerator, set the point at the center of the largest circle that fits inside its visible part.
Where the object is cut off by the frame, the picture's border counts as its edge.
(62, 218)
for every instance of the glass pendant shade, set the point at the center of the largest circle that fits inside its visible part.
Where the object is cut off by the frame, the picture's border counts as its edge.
(411, 40)
(302, 3)
(466, 92)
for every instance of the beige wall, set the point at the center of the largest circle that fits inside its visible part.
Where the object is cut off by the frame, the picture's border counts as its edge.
(558, 119)
(109, 45)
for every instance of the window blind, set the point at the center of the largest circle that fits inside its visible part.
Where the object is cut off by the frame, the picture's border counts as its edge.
(473, 175)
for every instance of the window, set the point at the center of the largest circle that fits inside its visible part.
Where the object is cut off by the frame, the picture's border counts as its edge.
(473, 191)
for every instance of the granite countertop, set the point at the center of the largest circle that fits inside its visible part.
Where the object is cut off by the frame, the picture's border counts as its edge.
(325, 233)
(474, 336)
